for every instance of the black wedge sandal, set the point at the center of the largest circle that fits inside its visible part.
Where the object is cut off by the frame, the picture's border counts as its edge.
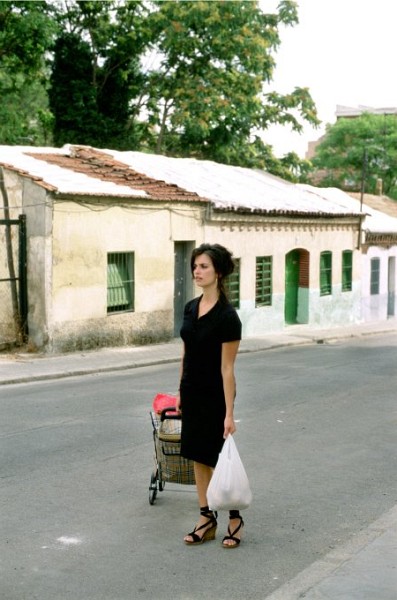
(233, 514)
(209, 527)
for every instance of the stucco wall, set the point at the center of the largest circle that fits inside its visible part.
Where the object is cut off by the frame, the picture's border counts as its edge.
(8, 327)
(37, 205)
(248, 242)
(375, 307)
(24, 196)
(82, 237)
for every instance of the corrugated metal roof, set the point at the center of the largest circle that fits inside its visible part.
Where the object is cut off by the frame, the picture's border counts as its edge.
(82, 170)
(234, 188)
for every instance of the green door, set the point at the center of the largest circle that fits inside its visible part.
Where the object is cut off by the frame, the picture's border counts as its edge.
(291, 286)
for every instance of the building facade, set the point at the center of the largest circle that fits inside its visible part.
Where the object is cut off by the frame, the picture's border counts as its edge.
(109, 237)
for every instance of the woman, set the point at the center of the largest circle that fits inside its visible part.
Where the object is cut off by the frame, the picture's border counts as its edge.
(211, 333)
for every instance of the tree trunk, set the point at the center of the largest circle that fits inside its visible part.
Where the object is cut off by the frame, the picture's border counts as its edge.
(160, 139)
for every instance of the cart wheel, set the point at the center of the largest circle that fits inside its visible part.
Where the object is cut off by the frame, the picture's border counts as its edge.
(153, 489)
(161, 485)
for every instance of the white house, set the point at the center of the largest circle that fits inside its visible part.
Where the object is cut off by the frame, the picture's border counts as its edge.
(109, 235)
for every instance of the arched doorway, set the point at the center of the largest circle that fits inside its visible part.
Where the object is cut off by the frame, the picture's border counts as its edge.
(296, 307)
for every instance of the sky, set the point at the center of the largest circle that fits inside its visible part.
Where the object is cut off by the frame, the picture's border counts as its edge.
(344, 51)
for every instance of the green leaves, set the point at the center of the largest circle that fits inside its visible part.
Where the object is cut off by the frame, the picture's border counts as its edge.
(26, 34)
(201, 93)
(214, 59)
(370, 138)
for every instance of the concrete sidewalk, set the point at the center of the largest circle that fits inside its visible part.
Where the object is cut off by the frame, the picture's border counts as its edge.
(21, 367)
(363, 569)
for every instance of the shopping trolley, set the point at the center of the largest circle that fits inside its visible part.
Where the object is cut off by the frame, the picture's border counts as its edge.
(169, 465)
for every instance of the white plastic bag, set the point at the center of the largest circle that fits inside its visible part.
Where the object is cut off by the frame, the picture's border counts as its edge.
(229, 488)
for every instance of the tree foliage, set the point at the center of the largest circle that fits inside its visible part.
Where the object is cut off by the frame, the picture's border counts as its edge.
(173, 77)
(207, 93)
(96, 72)
(26, 33)
(357, 148)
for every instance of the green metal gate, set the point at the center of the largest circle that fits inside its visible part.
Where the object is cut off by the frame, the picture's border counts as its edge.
(13, 282)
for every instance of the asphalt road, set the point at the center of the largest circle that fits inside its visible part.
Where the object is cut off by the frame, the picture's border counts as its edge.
(317, 433)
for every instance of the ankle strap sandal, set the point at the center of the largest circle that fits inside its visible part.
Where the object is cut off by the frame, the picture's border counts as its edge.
(208, 528)
(233, 514)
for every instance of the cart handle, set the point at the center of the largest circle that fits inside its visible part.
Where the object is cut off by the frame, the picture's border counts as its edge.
(174, 413)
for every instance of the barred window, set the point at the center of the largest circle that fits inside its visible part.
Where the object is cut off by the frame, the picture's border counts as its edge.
(325, 273)
(263, 281)
(120, 282)
(347, 270)
(375, 276)
(232, 285)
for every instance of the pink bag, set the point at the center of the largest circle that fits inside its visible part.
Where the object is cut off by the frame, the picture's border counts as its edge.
(162, 401)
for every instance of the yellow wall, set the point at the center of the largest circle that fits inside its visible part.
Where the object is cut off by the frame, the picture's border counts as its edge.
(82, 238)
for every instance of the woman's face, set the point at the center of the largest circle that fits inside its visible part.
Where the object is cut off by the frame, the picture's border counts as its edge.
(203, 271)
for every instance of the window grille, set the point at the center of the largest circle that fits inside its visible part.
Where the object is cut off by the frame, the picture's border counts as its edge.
(375, 276)
(263, 281)
(232, 285)
(347, 270)
(120, 284)
(325, 273)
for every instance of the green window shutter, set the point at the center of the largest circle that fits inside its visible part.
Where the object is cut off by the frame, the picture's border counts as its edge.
(375, 276)
(120, 282)
(263, 281)
(347, 270)
(232, 285)
(326, 273)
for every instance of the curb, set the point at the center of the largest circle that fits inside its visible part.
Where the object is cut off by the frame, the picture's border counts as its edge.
(259, 346)
(307, 580)
(87, 371)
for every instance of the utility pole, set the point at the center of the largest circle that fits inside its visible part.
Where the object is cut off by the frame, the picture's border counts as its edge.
(363, 178)
(362, 190)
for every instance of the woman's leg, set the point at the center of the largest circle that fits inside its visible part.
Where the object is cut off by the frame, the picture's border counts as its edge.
(202, 474)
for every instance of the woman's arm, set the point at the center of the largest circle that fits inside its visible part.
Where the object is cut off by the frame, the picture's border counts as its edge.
(229, 353)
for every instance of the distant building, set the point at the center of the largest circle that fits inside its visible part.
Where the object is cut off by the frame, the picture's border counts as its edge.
(348, 112)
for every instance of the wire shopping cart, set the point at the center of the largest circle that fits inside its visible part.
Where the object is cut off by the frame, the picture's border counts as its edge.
(169, 465)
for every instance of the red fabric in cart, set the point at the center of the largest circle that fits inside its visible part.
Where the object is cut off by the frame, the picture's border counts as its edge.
(162, 401)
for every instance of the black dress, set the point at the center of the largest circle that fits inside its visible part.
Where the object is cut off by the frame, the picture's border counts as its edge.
(202, 396)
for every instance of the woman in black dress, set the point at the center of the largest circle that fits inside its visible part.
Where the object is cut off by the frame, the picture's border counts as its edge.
(211, 333)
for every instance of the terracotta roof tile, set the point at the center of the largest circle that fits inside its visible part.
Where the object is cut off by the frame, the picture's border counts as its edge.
(100, 165)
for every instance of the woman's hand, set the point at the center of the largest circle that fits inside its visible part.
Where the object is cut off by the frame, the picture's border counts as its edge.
(178, 402)
(230, 426)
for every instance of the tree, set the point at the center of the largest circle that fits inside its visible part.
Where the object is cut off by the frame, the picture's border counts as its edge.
(72, 98)
(95, 74)
(206, 97)
(205, 94)
(353, 147)
(203, 97)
